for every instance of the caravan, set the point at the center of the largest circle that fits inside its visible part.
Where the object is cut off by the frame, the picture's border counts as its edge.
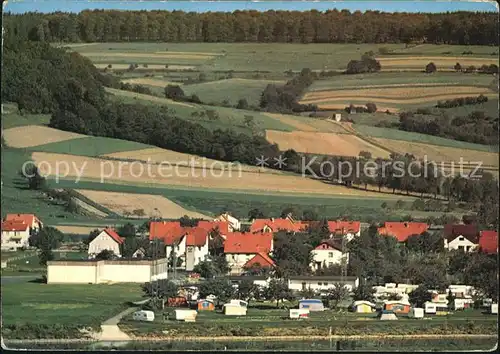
(148, 316)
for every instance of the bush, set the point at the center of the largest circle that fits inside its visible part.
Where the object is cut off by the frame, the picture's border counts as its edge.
(430, 68)
(371, 107)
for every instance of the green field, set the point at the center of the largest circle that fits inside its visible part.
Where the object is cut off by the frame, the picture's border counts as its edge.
(230, 90)
(384, 79)
(77, 305)
(448, 50)
(395, 134)
(229, 118)
(90, 146)
(11, 117)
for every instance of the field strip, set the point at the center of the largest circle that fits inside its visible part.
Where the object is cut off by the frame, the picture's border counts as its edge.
(150, 98)
(440, 153)
(431, 58)
(150, 82)
(405, 92)
(159, 55)
(343, 106)
(114, 172)
(384, 86)
(191, 53)
(323, 143)
(79, 230)
(34, 135)
(142, 68)
(125, 204)
(292, 122)
(157, 155)
(392, 100)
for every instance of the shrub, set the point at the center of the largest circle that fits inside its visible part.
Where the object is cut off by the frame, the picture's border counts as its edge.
(430, 68)
(371, 107)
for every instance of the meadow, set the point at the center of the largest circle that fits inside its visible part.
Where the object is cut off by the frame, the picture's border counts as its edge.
(35, 303)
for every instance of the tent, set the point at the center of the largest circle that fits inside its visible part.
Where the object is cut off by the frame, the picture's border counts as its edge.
(387, 315)
(206, 305)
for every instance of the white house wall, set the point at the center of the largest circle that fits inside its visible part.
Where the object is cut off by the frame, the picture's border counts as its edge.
(237, 261)
(327, 257)
(460, 242)
(103, 242)
(15, 239)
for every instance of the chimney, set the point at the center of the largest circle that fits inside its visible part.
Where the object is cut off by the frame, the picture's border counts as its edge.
(272, 219)
(406, 224)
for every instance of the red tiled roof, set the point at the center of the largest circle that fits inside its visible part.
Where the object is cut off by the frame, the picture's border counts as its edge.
(277, 225)
(347, 226)
(168, 231)
(260, 258)
(210, 225)
(241, 242)
(196, 236)
(28, 219)
(329, 244)
(14, 225)
(488, 241)
(402, 230)
(112, 233)
(469, 231)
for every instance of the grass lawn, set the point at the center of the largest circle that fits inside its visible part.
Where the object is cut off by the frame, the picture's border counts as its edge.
(84, 305)
(396, 134)
(90, 146)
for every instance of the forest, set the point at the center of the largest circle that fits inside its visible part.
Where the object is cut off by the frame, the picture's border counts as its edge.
(332, 26)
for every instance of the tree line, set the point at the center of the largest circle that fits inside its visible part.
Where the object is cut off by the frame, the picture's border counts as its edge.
(332, 26)
(476, 127)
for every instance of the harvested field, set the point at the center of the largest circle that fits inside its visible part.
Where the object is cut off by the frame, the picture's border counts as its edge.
(78, 230)
(146, 97)
(159, 155)
(292, 122)
(401, 93)
(439, 153)
(150, 82)
(34, 135)
(159, 55)
(440, 61)
(323, 143)
(117, 66)
(126, 204)
(343, 106)
(116, 172)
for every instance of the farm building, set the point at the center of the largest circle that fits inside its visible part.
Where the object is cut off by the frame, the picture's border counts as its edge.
(397, 306)
(107, 239)
(362, 306)
(461, 237)
(206, 305)
(106, 271)
(320, 283)
(312, 305)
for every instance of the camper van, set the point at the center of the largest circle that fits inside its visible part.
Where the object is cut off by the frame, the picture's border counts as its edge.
(416, 312)
(148, 316)
(436, 308)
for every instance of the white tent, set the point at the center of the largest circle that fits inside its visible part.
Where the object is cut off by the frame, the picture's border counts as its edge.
(387, 315)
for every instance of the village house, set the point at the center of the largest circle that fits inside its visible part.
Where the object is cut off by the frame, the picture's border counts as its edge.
(402, 230)
(347, 229)
(279, 224)
(243, 250)
(464, 237)
(328, 253)
(488, 241)
(233, 223)
(189, 245)
(17, 229)
(107, 239)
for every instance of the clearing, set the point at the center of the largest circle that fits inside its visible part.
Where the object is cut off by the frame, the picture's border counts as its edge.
(128, 204)
(34, 135)
(324, 143)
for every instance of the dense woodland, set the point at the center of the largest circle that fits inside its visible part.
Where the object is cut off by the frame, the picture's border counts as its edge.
(332, 26)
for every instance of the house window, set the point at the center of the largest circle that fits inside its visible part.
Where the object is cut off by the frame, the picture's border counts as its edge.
(330, 254)
(325, 284)
(460, 238)
(461, 248)
(319, 283)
